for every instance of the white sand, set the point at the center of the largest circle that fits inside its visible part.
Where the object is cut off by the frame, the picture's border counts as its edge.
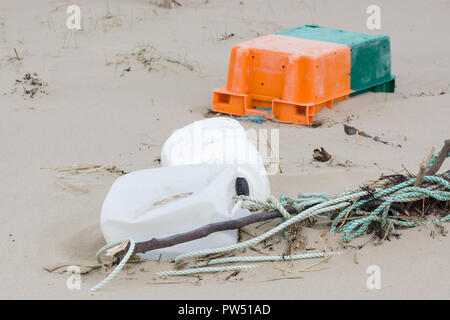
(93, 115)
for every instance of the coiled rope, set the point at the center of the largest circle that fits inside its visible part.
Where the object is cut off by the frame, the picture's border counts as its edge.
(261, 259)
(207, 269)
(320, 208)
(321, 204)
(400, 193)
(315, 205)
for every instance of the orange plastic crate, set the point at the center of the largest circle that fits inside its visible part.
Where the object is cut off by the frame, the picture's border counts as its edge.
(283, 78)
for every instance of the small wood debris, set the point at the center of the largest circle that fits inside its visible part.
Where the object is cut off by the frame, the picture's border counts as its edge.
(32, 85)
(226, 36)
(321, 155)
(355, 258)
(92, 168)
(211, 114)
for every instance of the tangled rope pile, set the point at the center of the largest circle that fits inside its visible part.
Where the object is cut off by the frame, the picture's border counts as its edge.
(400, 193)
(319, 206)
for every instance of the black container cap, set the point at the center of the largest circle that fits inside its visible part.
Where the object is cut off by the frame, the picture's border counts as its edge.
(242, 188)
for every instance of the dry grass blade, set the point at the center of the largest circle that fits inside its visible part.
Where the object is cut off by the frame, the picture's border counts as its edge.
(421, 174)
(175, 282)
(91, 168)
(283, 278)
(348, 212)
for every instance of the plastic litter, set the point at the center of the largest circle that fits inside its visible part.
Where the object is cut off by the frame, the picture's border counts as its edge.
(218, 141)
(291, 75)
(165, 201)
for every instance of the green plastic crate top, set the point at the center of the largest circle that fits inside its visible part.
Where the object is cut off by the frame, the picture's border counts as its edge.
(370, 55)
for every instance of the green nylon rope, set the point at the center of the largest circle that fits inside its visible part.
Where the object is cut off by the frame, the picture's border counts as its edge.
(311, 205)
(360, 226)
(261, 259)
(331, 205)
(402, 192)
(119, 266)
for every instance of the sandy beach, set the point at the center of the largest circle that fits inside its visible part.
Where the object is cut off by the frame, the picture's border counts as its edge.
(93, 99)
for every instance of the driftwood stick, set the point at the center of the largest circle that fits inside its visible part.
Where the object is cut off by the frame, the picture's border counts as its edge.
(204, 231)
(423, 167)
(421, 174)
(440, 159)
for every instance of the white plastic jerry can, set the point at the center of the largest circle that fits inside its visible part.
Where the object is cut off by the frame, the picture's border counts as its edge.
(218, 141)
(162, 202)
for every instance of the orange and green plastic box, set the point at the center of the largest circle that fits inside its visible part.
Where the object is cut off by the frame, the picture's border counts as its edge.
(289, 76)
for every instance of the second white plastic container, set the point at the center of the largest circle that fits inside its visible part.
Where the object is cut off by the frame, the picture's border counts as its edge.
(166, 201)
(218, 141)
